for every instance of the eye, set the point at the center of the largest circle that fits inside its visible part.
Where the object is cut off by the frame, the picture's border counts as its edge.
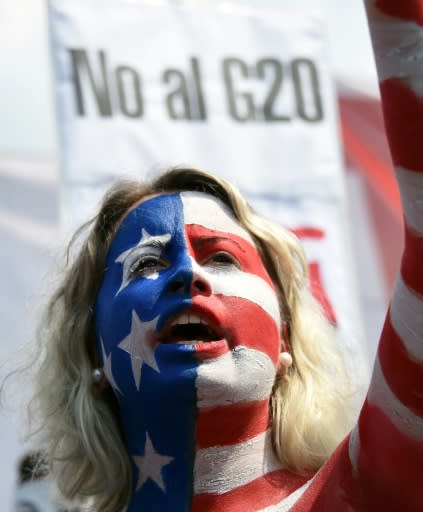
(146, 265)
(222, 259)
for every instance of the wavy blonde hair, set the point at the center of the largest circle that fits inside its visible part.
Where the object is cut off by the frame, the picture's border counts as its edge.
(79, 420)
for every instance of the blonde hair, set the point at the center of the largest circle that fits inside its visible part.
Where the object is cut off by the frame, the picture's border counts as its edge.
(80, 421)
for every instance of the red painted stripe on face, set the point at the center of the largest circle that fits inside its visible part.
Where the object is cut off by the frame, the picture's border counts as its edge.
(203, 243)
(389, 464)
(412, 10)
(243, 322)
(403, 375)
(231, 424)
(403, 111)
(412, 260)
(264, 491)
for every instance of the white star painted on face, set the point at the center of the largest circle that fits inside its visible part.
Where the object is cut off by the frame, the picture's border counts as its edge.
(145, 241)
(107, 368)
(150, 465)
(139, 347)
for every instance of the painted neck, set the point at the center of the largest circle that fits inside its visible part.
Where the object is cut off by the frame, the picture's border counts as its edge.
(234, 457)
(200, 441)
(225, 456)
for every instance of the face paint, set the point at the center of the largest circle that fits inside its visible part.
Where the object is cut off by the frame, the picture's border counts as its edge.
(187, 320)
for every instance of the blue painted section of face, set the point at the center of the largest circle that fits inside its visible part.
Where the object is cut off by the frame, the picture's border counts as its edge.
(154, 383)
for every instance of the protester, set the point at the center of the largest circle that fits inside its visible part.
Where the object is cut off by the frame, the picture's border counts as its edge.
(185, 365)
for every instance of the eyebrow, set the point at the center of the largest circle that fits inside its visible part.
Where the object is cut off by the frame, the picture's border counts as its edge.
(158, 242)
(202, 241)
(155, 242)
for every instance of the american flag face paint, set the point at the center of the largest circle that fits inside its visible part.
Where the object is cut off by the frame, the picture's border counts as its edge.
(187, 321)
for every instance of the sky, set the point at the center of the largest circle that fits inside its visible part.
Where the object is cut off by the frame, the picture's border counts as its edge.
(27, 121)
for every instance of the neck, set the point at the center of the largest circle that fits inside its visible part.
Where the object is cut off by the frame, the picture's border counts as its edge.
(234, 457)
(189, 451)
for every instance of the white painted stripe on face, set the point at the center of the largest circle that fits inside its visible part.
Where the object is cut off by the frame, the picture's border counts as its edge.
(399, 46)
(210, 212)
(241, 375)
(286, 504)
(411, 188)
(238, 465)
(236, 283)
(403, 418)
(407, 319)
(354, 448)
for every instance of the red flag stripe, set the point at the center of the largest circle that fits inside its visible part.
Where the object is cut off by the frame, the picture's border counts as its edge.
(333, 488)
(403, 112)
(411, 187)
(403, 375)
(408, 11)
(390, 464)
(412, 260)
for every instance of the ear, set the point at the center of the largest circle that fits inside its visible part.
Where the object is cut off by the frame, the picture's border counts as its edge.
(284, 337)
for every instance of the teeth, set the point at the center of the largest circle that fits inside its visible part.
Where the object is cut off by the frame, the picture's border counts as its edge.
(188, 318)
(183, 319)
(194, 319)
(189, 342)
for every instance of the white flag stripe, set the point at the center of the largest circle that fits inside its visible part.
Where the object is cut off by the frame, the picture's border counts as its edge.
(241, 463)
(411, 188)
(381, 396)
(407, 319)
(354, 448)
(211, 213)
(399, 46)
(241, 375)
(244, 285)
(286, 504)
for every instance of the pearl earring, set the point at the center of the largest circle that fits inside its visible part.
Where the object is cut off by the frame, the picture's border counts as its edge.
(97, 374)
(284, 362)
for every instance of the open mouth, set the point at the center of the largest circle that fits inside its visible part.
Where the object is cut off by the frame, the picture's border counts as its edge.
(189, 328)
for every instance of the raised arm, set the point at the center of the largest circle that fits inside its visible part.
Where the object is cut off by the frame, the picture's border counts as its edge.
(386, 448)
(379, 467)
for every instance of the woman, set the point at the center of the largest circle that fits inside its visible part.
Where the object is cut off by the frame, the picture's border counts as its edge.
(192, 314)
(188, 368)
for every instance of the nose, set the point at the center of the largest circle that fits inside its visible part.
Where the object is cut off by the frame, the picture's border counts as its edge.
(200, 285)
(195, 282)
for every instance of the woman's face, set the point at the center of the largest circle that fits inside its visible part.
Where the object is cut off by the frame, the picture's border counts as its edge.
(184, 282)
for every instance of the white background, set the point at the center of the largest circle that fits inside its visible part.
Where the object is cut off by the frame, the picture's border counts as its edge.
(26, 120)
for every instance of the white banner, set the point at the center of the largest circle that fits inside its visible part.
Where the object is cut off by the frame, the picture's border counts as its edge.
(243, 93)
